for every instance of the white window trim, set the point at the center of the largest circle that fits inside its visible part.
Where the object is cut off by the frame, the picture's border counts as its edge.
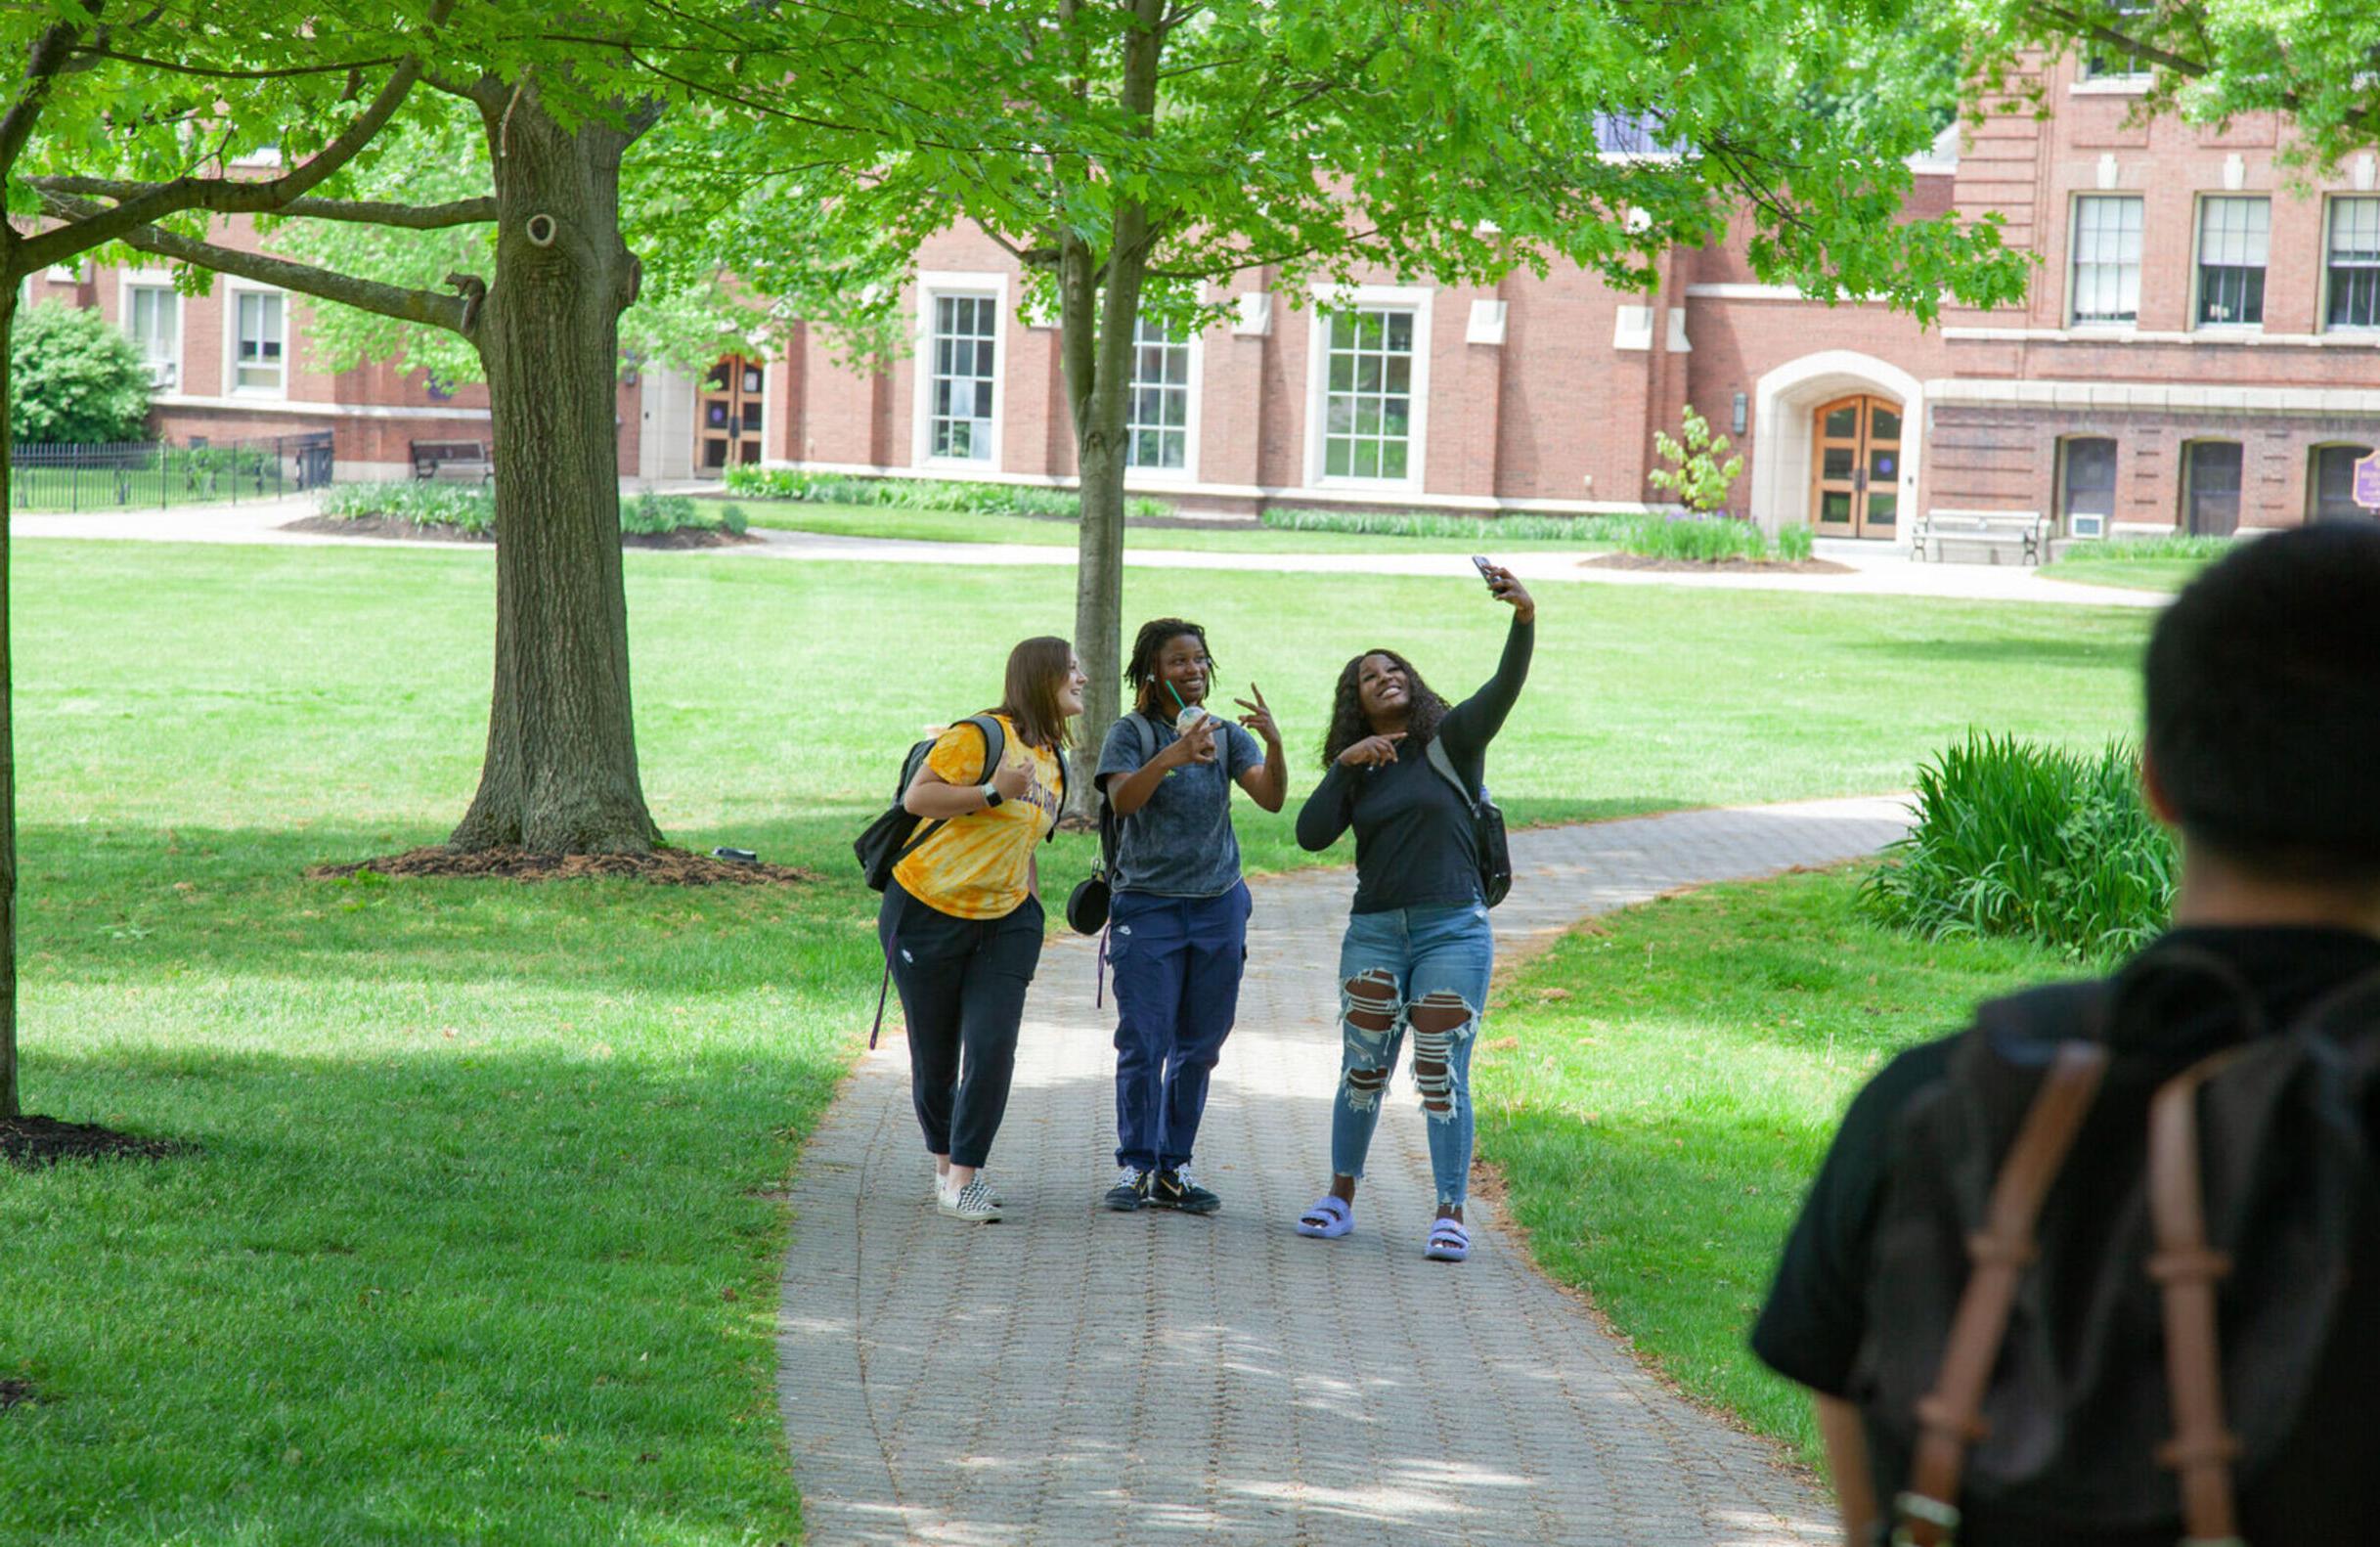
(130, 280)
(2198, 237)
(232, 292)
(2321, 300)
(2074, 235)
(1187, 473)
(1415, 299)
(936, 283)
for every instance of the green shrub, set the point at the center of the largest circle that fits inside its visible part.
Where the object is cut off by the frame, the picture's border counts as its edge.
(651, 515)
(1698, 538)
(733, 521)
(1795, 543)
(1600, 531)
(470, 507)
(2016, 838)
(74, 380)
(2177, 545)
(922, 494)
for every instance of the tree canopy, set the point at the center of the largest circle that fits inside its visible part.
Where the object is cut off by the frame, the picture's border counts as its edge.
(2209, 60)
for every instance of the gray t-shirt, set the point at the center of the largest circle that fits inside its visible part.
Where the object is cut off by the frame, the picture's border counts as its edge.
(1180, 844)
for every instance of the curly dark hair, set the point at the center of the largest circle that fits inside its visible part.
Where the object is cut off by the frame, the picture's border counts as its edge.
(1140, 672)
(1348, 724)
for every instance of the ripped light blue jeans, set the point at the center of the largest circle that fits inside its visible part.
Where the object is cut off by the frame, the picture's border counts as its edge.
(1391, 965)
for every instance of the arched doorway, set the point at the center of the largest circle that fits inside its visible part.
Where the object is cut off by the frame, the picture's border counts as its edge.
(1855, 467)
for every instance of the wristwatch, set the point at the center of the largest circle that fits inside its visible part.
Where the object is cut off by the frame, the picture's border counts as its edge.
(992, 796)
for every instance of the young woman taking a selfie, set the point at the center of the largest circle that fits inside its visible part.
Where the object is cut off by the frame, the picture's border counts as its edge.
(1418, 951)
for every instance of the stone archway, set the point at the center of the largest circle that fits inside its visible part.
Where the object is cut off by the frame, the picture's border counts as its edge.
(1784, 400)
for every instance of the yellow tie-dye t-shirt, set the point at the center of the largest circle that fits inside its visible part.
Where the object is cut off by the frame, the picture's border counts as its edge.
(980, 865)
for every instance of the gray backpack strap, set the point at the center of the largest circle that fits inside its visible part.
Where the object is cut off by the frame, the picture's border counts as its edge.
(996, 745)
(1146, 729)
(1440, 759)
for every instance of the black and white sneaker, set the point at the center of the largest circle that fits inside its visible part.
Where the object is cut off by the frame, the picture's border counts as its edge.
(973, 1203)
(1130, 1194)
(1176, 1188)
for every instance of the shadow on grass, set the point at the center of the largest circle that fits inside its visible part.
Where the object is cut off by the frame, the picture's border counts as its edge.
(2083, 654)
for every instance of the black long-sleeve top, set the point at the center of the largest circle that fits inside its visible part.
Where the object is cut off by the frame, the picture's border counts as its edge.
(1414, 846)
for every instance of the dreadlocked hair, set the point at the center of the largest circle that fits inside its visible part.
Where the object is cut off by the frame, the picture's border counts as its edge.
(1140, 672)
(1348, 724)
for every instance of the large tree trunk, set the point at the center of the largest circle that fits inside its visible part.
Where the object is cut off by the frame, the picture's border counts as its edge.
(1098, 312)
(10, 1106)
(560, 775)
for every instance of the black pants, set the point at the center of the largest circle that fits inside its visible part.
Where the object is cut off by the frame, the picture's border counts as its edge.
(962, 985)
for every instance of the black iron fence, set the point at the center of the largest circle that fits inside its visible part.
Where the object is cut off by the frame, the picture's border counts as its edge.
(145, 474)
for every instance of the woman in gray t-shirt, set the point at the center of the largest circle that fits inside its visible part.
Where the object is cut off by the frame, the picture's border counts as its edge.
(1177, 927)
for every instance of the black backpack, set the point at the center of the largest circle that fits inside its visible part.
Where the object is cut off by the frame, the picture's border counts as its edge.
(1486, 827)
(896, 835)
(2103, 1283)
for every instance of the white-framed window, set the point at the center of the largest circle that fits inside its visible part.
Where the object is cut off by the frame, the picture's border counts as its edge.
(2106, 267)
(2235, 243)
(2104, 60)
(260, 342)
(1370, 373)
(1161, 417)
(965, 391)
(2350, 269)
(153, 321)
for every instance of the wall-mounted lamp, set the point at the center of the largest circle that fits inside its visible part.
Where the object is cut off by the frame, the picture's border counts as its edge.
(1739, 416)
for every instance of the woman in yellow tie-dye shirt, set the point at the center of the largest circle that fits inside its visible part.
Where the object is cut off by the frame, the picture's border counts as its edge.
(962, 923)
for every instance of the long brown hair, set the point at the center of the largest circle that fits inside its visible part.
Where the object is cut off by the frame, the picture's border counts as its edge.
(1349, 725)
(1038, 668)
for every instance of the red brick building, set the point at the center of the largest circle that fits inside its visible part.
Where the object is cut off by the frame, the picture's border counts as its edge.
(2200, 351)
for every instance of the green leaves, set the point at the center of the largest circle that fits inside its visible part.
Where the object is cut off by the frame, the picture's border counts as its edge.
(73, 379)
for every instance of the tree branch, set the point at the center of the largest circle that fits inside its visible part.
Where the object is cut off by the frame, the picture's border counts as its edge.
(412, 217)
(49, 55)
(224, 195)
(173, 67)
(453, 313)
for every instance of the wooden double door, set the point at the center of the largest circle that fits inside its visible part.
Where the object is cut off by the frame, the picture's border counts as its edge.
(728, 414)
(1855, 467)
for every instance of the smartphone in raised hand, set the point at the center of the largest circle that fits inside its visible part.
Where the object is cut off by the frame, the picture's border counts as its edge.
(1487, 571)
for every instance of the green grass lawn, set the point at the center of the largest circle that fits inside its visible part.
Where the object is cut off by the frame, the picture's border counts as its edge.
(1658, 1090)
(956, 526)
(479, 1242)
(2138, 574)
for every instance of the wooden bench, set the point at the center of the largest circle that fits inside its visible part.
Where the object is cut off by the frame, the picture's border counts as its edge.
(451, 459)
(2022, 533)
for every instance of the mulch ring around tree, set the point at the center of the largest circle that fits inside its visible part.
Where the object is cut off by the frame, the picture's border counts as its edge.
(662, 867)
(32, 1142)
(407, 531)
(1706, 566)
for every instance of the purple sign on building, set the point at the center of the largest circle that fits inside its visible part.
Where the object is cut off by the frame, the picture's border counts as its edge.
(2368, 483)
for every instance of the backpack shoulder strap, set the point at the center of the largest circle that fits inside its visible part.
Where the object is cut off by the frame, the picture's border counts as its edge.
(1146, 729)
(995, 746)
(995, 742)
(1950, 1417)
(2187, 1271)
(1443, 761)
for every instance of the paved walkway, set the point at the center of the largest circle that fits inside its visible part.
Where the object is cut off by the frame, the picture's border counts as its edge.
(1874, 571)
(1071, 1378)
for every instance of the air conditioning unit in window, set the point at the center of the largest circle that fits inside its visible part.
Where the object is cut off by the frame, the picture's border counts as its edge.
(2086, 526)
(162, 374)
